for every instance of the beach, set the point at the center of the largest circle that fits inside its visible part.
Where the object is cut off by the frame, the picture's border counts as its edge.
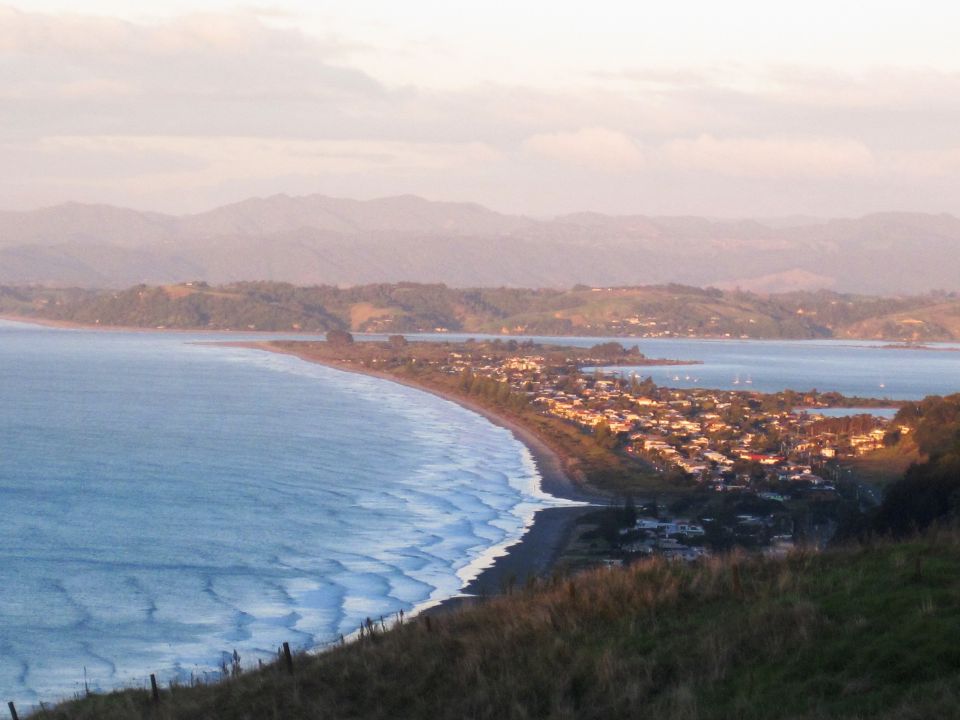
(274, 501)
(536, 553)
(540, 546)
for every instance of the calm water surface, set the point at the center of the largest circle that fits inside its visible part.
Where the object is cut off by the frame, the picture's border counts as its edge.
(852, 367)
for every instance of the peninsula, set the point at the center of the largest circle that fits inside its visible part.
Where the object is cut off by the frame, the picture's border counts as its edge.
(710, 469)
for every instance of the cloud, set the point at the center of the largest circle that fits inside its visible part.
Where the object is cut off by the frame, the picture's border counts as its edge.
(89, 160)
(597, 148)
(176, 166)
(873, 89)
(924, 164)
(607, 150)
(184, 109)
(770, 157)
(224, 57)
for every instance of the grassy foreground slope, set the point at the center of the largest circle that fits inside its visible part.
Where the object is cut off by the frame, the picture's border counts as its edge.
(867, 632)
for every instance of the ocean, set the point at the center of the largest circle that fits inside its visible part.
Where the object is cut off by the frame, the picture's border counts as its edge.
(165, 503)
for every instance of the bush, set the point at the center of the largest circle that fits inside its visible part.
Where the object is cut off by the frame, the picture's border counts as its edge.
(339, 337)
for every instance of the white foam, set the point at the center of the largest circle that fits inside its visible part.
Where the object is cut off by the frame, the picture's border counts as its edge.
(231, 525)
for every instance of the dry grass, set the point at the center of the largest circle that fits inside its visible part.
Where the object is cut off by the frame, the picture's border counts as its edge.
(362, 313)
(885, 465)
(853, 633)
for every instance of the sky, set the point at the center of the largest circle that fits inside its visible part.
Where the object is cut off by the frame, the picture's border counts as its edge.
(734, 109)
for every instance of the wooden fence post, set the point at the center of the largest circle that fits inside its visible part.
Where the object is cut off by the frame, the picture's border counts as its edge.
(288, 658)
(153, 687)
(13, 711)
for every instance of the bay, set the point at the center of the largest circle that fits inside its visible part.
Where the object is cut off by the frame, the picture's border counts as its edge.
(166, 503)
(861, 368)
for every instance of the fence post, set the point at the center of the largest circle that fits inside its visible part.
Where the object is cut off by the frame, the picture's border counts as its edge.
(288, 658)
(13, 711)
(153, 687)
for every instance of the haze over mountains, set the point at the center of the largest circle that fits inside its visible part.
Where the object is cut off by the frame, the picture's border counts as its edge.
(323, 240)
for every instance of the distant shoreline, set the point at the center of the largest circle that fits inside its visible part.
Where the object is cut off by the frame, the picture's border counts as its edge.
(536, 552)
(71, 325)
(891, 343)
(912, 346)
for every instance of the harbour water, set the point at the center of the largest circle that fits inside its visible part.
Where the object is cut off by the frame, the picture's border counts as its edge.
(854, 368)
(860, 368)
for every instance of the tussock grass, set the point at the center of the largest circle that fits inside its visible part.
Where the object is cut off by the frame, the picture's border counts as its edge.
(864, 632)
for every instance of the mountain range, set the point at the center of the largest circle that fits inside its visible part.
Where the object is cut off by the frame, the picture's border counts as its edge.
(323, 240)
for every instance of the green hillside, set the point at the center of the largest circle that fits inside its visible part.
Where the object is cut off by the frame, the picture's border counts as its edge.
(650, 311)
(854, 633)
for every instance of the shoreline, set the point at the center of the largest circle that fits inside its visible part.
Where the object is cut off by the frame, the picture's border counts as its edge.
(536, 552)
(554, 479)
(533, 552)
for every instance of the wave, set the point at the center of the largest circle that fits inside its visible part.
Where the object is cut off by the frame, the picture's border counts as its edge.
(237, 500)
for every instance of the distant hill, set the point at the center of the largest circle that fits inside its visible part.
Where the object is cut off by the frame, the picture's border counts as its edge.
(323, 240)
(648, 311)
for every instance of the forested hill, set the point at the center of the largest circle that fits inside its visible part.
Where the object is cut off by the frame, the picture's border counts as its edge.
(652, 311)
(929, 492)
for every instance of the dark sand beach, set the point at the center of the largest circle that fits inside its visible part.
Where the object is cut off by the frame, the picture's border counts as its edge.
(537, 551)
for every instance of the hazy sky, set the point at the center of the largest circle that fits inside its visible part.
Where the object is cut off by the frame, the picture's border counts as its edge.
(730, 108)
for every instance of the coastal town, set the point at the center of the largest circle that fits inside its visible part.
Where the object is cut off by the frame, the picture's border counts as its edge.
(764, 472)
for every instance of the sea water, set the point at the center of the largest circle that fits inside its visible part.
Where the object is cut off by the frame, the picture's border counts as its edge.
(164, 503)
